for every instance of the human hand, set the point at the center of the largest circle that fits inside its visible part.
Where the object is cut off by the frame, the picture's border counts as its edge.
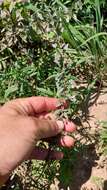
(22, 123)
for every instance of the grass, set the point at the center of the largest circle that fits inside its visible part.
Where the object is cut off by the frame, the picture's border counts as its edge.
(103, 137)
(53, 48)
(97, 181)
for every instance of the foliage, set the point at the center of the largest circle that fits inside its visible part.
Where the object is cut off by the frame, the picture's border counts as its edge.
(53, 48)
(97, 181)
(103, 136)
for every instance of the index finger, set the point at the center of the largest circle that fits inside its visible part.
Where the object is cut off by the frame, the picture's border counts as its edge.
(46, 104)
(37, 105)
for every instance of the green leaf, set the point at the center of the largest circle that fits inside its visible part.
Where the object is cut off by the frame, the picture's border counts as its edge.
(10, 90)
(45, 91)
(93, 37)
(98, 16)
(32, 7)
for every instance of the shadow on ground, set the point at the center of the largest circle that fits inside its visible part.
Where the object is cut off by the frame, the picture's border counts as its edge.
(82, 170)
(105, 185)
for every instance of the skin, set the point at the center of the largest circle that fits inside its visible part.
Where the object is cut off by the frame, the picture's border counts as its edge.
(22, 123)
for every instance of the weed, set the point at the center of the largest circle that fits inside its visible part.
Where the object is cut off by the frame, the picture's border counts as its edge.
(97, 181)
(53, 48)
(103, 136)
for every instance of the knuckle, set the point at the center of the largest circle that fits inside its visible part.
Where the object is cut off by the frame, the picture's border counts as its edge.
(31, 123)
(53, 127)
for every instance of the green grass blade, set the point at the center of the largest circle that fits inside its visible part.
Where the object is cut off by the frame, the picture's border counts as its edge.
(98, 16)
(93, 37)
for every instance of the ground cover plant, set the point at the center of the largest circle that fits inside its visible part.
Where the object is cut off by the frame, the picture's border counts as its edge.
(53, 48)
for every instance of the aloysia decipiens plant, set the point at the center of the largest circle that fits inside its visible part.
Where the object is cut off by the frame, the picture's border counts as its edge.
(53, 48)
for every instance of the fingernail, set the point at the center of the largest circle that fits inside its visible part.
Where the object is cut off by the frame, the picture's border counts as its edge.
(60, 125)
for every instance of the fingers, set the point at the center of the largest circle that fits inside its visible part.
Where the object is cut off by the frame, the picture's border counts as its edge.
(42, 154)
(36, 105)
(45, 128)
(69, 126)
(65, 141)
(61, 140)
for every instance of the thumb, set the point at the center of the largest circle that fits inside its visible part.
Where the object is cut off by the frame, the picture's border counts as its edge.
(47, 128)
